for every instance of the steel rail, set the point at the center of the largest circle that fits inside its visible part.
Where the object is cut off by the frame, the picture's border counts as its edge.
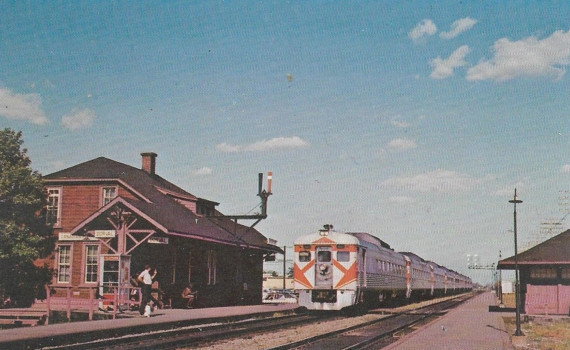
(190, 335)
(377, 329)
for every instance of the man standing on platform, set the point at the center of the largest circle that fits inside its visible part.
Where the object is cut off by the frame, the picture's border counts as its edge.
(145, 278)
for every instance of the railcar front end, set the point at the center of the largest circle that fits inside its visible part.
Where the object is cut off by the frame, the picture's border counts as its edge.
(326, 270)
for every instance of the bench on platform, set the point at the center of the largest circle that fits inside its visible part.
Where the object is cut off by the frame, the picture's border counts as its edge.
(19, 317)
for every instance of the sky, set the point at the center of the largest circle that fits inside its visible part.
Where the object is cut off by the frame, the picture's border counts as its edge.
(411, 120)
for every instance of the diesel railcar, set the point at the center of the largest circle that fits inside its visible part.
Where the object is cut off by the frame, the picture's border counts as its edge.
(335, 270)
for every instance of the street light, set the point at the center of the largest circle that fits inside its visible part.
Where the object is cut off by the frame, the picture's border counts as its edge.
(518, 332)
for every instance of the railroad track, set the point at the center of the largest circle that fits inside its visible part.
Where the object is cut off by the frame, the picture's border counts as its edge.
(193, 335)
(360, 336)
(374, 334)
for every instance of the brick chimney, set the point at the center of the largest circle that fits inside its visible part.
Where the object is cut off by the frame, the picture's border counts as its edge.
(149, 162)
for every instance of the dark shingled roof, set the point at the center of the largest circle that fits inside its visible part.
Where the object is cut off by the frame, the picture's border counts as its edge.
(104, 168)
(158, 207)
(555, 251)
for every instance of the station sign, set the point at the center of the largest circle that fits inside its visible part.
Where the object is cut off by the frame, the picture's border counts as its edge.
(67, 236)
(158, 240)
(104, 233)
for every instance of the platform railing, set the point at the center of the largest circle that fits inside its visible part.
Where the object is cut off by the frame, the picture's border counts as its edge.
(123, 297)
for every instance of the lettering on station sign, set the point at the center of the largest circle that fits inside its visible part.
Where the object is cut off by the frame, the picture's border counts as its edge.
(104, 233)
(158, 240)
(67, 236)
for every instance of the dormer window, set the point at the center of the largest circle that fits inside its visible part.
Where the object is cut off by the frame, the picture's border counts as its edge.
(108, 194)
(205, 210)
(205, 207)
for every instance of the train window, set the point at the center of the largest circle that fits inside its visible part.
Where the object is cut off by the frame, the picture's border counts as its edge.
(304, 256)
(324, 256)
(342, 256)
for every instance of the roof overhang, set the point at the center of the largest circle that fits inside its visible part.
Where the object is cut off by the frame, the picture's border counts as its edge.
(267, 248)
(159, 227)
(510, 265)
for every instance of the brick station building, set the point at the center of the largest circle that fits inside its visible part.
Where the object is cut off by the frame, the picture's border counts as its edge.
(111, 219)
(544, 272)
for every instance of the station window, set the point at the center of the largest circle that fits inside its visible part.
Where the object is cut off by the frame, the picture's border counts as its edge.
(211, 267)
(53, 209)
(91, 265)
(108, 194)
(304, 256)
(543, 272)
(191, 265)
(64, 264)
(342, 256)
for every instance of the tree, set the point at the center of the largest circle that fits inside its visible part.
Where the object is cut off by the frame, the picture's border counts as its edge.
(24, 235)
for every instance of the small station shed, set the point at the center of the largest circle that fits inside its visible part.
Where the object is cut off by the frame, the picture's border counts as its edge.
(544, 272)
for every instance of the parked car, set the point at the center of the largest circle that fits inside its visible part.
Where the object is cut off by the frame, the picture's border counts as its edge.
(279, 297)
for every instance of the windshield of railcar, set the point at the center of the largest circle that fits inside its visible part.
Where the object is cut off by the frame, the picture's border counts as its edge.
(304, 256)
(324, 256)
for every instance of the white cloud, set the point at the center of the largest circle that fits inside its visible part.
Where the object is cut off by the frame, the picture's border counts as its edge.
(424, 28)
(78, 119)
(402, 144)
(225, 148)
(26, 107)
(203, 171)
(527, 57)
(399, 124)
(443, 68)
(265, 145)
(434, 181)
(566, 168)
(458, 27)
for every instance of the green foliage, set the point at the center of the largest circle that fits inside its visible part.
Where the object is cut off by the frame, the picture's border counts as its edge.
(24, 236)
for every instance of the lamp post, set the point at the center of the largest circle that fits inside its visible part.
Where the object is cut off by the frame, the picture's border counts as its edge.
(518, 332)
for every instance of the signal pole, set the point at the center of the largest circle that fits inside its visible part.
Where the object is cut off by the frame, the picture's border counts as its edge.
(284, 267)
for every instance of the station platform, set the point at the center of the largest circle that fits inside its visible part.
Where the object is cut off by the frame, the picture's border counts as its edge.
(57, 334)
(470, 326)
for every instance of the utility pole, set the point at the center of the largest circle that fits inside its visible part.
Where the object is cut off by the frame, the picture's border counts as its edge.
(518, 331)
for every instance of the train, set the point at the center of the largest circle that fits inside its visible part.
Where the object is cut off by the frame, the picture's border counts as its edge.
(341, 270)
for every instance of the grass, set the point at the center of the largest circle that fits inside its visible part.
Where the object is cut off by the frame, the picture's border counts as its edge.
(544, 333)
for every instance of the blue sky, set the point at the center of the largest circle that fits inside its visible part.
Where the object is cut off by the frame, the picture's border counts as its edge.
(411, 120)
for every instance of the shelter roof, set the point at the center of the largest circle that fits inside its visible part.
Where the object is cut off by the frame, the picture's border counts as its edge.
(554, 251)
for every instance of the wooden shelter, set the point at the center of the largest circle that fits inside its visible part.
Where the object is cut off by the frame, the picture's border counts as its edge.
(544, 275)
